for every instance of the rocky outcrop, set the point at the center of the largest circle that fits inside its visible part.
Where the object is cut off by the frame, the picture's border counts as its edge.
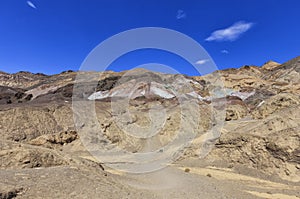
(270, 65)
(52, 140)
(16, 156)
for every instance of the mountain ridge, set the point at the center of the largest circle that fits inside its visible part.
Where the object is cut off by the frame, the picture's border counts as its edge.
(247, 133)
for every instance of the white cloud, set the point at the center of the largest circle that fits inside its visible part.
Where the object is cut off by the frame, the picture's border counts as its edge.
(180, 14)
(202, 61)
(225, 51)
(231, 33)
(31, 4)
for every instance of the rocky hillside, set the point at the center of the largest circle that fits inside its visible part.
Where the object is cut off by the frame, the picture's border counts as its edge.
(254, 108)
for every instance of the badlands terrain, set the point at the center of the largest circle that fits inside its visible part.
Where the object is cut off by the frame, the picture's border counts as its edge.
(139, 134)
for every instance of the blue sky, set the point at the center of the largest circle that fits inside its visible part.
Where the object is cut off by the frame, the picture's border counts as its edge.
(51, 36)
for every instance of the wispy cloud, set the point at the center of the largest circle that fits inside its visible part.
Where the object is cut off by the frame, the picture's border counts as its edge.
(225, 51)
(231, 33)
(180, 14)
(29, 3)
(202, 61)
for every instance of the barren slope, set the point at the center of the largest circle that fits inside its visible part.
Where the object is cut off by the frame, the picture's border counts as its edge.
(43, 151)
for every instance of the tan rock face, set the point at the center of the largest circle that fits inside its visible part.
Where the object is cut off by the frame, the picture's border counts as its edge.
(236, 112)
(53, 140)
(275, 103)
(21, 156)
(270, 65)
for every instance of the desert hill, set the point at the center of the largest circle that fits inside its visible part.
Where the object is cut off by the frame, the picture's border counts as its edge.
(244, 125)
